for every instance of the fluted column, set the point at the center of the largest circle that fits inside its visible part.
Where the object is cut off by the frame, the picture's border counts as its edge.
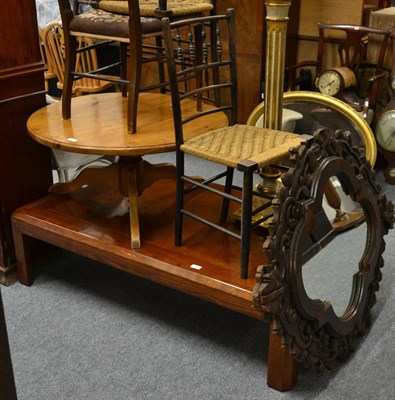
(276, 35)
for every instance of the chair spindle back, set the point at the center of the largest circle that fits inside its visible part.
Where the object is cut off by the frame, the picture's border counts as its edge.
(200, 68)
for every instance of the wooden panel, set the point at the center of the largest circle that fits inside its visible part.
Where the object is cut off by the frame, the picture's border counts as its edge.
(18, 40)
(307, 50)
(382, 19)
(250, 18)
(25, 169)
(328, 11)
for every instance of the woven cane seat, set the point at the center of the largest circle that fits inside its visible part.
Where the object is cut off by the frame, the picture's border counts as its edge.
(148, 7)
(233, 144)
(110, 24)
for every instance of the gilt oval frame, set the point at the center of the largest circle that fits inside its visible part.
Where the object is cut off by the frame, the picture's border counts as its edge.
(344, 109)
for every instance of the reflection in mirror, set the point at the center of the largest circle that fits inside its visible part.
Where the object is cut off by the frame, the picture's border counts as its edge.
(316, 116)
(290, 117)
(328, 274)
(342, 211)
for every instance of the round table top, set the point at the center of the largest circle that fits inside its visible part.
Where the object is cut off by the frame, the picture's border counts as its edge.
(98, 125)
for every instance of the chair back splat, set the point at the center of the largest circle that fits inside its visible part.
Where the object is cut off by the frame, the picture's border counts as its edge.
(196, 69)
(201, 62)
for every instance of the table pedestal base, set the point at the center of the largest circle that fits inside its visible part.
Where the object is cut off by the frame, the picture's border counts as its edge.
(130, 176)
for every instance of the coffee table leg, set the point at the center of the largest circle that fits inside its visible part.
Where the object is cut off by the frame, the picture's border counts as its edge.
(22, 254)
(282, 368)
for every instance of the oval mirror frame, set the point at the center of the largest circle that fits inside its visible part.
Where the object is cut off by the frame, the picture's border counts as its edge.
(310, 329)
(333, 103)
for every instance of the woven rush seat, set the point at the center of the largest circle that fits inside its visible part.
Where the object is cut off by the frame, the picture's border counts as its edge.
(110, 23)
(148, 7)
(234, 144)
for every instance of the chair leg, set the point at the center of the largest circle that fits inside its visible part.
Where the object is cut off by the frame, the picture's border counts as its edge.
(70, 62)
(246, 211)
(180, 161)
(134, 89)
(123, 48)
(227, 189)
(132, 105)
(161, 68)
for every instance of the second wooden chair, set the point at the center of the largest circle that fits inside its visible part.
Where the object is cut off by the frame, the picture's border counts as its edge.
(120, 22)
(209, 78)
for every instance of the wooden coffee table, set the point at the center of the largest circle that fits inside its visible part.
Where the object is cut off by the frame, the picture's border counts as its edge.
(88, 216)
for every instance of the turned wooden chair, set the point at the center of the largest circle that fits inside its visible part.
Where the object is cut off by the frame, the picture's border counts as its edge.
(209, 77)
(363, 77)
(49, 72)
(53, 40)
(107, 25)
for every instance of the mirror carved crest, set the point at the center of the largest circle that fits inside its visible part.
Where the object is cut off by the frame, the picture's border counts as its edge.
(313, 333)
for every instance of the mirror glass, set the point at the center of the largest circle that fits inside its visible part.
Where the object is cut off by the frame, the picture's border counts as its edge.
(316, 116)
(334, 247)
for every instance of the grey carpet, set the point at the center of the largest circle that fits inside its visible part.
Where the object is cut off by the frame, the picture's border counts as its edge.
(86, 331)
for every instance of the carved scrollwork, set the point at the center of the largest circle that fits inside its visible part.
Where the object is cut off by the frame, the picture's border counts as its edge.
(310, 329)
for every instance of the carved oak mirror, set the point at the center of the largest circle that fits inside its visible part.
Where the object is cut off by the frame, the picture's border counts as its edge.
(312, 264)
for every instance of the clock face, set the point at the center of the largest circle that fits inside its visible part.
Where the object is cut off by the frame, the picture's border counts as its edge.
(329, 82)
(385, 131)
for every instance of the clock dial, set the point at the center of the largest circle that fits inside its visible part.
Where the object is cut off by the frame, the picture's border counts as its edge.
(385, 131)
(329, 82)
